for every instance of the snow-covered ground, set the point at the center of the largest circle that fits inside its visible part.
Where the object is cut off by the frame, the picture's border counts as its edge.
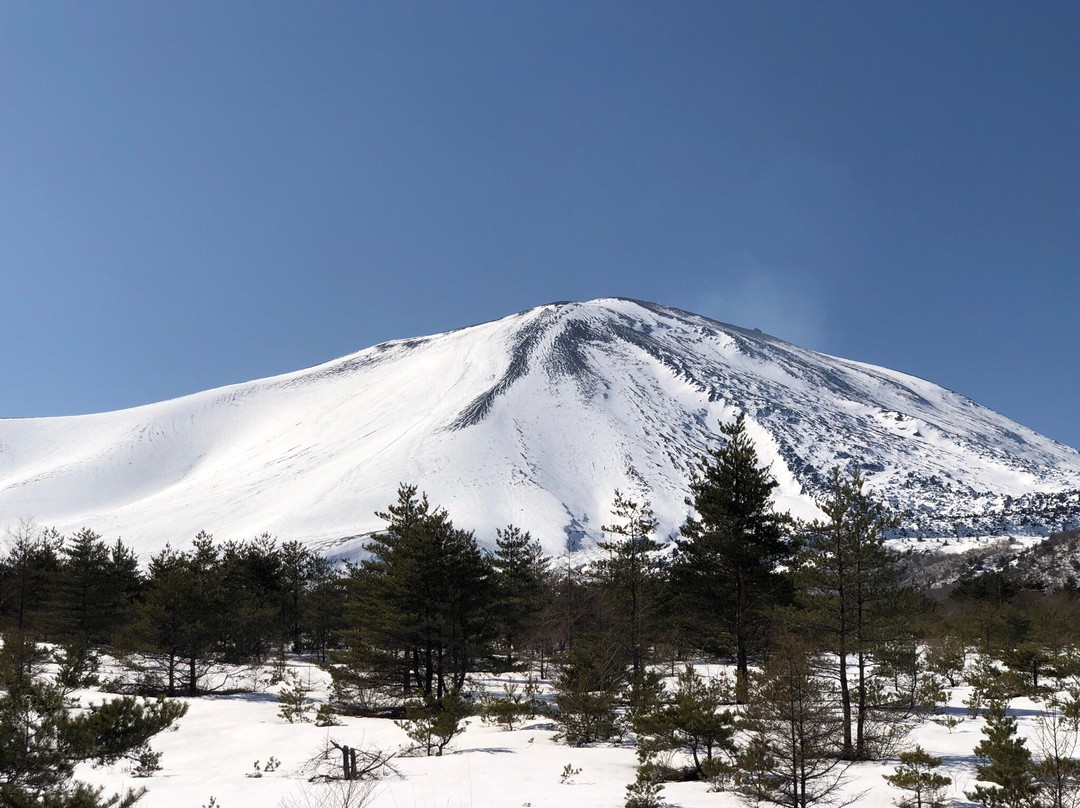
(957, 545)
(534, 419)
(214, 748)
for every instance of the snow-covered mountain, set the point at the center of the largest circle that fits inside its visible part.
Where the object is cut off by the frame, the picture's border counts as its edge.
(533, 419)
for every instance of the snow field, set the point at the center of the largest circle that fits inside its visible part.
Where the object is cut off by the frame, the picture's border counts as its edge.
(212, 750)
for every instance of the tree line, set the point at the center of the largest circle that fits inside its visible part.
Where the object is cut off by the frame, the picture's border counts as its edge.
(235, 602)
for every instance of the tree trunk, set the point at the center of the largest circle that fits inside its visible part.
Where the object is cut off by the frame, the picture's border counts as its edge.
(742, 688)
(860, 740)
(861, 642)
(636, 651)
(845, 703)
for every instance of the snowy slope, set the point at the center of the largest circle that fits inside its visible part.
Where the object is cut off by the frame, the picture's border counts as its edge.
(533, 419)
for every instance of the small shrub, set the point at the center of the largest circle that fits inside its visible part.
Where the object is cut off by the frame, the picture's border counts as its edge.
(294, 700)
(77, 667)
(511, 708)
(337, 794)
(644, 792)
(587, 690)
(946, 658)
(646, 692)
(916, 774)
(989, 685)
(326, 717)
(568, 774)
(754, 771)
(352, 694)
(721, 775)
(434, 723)
(692, 723)
(950, 722)
(147, 762)
(278, 671)
(270, 766)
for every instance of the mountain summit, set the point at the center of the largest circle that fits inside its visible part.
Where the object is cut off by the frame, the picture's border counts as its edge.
(533, 419)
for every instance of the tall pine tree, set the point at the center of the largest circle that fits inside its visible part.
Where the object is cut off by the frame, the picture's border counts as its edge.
(429, 592)
(844, 571)
(82, 611)
(631, 575)
(732, 545)
(29, 574)
(522, 580)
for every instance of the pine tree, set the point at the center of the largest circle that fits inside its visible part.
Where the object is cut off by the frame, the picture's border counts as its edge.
(159, 626)
(255, 623)
(297, 573)
(29, 572)
(1006, 763)
(1057, 771)
(204, 604)
(731, 548)
(693, 722)
(793, 732)
(95, 588)
(182, 618)
(1028, 658)
(843, 572)
(571, 609)
(916, 773)
(41, 740)
(323, 605)
(361, 672)
(123, 584)
(631, 574)
(522, 579)
(428, 593)
(587, 687)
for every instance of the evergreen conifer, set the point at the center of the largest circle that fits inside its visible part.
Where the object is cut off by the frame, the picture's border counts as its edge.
(631, 575)
(1006, 763)
(731, 548)
(916, 773)
(844, 572)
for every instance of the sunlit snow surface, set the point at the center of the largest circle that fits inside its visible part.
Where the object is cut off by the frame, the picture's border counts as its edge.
(534, 419)
(212, 751)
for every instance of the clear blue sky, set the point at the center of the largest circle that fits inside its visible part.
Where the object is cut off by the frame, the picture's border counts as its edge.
(199, 193)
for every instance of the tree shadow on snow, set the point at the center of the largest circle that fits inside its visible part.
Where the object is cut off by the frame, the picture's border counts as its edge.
(956, 761)
(250, 698)
(487, 750)
(539, 726)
